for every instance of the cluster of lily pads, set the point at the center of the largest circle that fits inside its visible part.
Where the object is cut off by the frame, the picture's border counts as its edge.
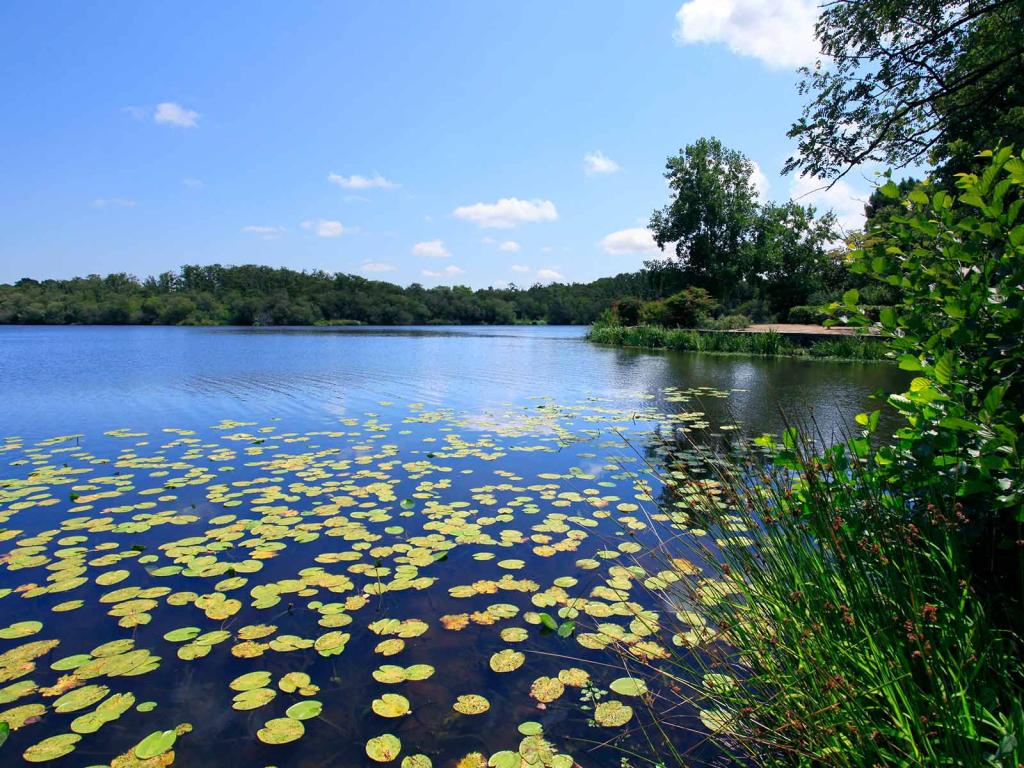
(285, 553)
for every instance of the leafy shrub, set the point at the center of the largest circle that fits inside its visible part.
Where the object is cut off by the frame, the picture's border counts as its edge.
(726, 323)
(958, 262)
(689, 307)
(808, 315)
(627, 310)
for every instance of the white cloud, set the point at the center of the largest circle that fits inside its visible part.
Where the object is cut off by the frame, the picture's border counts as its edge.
(434, 249)
(597, 163)
(450, 271)
(324, 227)
(509, 246)
(192, 183)
(169, 113)
(377, 266)
(521, 268)
(761, 183)
(361, 182)
(507, 212)
(778, 32)
(549, 275)
(265, 233)
(846, 202)
(626, 241)
(113, 202)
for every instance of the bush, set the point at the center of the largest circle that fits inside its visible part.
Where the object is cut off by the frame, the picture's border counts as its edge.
(654, 313)
(689, 308)
(959, 264)
(808, 315)
(726, 323)
(627, 310)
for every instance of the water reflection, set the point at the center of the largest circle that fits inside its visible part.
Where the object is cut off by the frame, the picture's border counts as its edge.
(85, 379)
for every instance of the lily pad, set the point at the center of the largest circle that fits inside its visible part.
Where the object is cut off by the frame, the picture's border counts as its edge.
(253, 698)
(629, 686)
(391, 705)
(157, 743)
(384, 748)
(471, 704)
(52, 748)
(612, 714)
(281, 730)
(507, 660)
(304, 710)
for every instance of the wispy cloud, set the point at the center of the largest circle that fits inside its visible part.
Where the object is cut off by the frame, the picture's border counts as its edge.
(265, 232)
(434, 249)
(597, 164)
(324, 227)
(113, 202)
(509, 246)
(521, 268)
(377, 266)
(450, 271)
(192, 183)
(169, 113)
(780, 33)
(361, 182)
(507, 212)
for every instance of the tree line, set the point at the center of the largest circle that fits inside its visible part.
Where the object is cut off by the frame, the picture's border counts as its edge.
(259, 295)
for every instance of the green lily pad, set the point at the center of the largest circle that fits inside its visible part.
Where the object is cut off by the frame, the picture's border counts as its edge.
(253, 698)
(507, 660)
(80, 698)
(629, 686)
(391, 705)
(250, 681)
(281, 730)
(52, 748)
(384, 748)
(304, 710)
(612, 714)
(157, 743)
(471, 704)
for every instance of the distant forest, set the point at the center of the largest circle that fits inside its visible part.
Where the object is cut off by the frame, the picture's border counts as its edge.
(257, 295)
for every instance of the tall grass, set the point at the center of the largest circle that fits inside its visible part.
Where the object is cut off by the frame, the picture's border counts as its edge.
(768, 344)
(839, 625)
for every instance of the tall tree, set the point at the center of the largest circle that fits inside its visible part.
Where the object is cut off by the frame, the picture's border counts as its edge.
(904, 82)
(790, 258)
(711, 214)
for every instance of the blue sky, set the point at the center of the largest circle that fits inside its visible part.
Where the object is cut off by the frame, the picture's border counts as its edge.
(438, 142)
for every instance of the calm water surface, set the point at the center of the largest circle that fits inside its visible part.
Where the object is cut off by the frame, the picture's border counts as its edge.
(180, 507)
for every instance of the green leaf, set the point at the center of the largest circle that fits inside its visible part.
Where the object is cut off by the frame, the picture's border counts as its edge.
(890, 190)
(851, 297)
(5, 731)
(944, 368)
(548, 621)
(156, 744)
(566, 628)
(909, 363)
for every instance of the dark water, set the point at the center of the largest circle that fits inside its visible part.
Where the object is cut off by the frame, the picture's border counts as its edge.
(299, 483)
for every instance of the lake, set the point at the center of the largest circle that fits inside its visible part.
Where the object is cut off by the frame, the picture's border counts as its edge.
(328, 547)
